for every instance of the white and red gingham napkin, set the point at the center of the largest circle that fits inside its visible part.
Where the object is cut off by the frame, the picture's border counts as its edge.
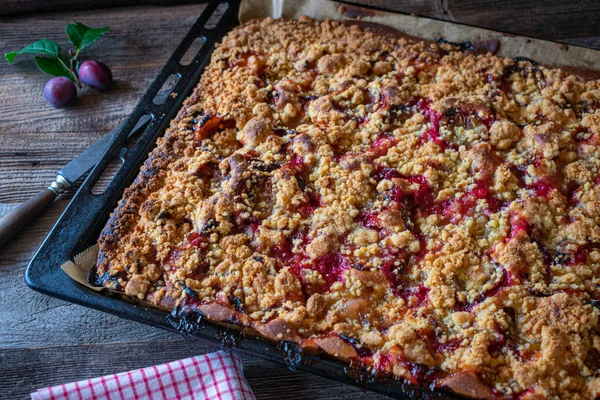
(211, 376)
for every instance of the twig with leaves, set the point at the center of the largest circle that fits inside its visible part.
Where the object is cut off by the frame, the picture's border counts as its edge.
(49, 59)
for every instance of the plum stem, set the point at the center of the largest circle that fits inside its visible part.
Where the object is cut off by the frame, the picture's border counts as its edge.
(71, 69)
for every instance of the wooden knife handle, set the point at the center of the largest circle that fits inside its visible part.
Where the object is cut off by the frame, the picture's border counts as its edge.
(20, 216)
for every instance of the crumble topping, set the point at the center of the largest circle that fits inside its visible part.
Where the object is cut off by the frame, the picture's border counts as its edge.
(424, 211)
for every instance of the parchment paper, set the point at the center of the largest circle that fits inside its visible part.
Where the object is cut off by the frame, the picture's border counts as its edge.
(542, 51)
(80, 267)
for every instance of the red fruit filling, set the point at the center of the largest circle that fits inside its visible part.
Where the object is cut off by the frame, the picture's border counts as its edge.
(296, 164)
(383, 143)
(421, 198)
(370, 220)
(331, 266)
(197, 240)
(313, 202)
(543, 187)
(579, 257)
(518, 223)
(209, 124)
(399, 287)
(488, 121)
(432, 134)
(242, 59)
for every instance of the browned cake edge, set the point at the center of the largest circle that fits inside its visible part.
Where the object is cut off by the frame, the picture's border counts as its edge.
(151, 176)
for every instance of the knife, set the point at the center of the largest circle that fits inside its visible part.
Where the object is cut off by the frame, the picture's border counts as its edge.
(20, 216)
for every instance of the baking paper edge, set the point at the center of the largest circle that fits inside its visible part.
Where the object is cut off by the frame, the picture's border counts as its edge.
(79, 268)
(542, 51)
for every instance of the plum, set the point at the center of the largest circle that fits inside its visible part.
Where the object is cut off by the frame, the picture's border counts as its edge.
(95, 74)
(60, 92)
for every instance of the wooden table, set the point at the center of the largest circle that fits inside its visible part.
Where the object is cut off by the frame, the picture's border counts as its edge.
(45, 341)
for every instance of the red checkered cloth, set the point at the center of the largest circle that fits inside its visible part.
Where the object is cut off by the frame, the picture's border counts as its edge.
(211, 376)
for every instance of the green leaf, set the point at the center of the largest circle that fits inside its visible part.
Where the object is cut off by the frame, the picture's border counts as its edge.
(76, 31)
(92, 35)
(83, 36)
(52, 66)
(42, 47)
(10, 56)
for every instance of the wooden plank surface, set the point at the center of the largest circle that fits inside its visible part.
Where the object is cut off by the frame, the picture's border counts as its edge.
(27, 6)
(571, 22)
(46, 341)
(268, 380)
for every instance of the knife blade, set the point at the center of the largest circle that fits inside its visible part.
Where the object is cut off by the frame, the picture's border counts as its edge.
(90, 156)
(17, 218)
(20, 216)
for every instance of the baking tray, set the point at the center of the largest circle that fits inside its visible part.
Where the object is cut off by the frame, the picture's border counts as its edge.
(82, 221)
(80, 225)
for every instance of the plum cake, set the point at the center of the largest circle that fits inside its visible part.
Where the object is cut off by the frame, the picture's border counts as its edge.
(421, 209)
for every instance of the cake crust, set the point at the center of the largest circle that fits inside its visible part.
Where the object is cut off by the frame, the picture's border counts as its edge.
(428, 212)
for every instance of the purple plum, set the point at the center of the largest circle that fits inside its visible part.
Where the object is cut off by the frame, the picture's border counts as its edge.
(60, 92)
(95, 74)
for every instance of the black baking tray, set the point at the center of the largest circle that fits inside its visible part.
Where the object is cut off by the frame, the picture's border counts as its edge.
(82, 221)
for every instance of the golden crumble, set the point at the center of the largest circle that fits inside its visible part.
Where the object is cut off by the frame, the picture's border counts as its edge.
(425, 211)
